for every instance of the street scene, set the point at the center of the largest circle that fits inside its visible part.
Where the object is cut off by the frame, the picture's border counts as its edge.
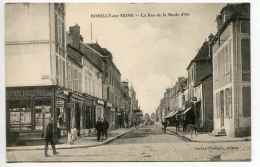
(127, 82)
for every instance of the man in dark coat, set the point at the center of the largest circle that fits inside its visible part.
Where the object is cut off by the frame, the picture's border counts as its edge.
(105, 128)
(99, 128)
(49, 138)
(164, 123)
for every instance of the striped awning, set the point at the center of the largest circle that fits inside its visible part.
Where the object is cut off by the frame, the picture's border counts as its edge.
(186, 110)
(171, 114)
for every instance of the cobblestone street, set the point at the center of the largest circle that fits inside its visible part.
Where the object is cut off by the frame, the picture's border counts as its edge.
(144, 144)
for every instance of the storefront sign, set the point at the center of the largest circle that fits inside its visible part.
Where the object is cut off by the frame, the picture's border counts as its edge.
(101, 102)
(109, 105)
(194, 99)
(60, 103)
(28, 92)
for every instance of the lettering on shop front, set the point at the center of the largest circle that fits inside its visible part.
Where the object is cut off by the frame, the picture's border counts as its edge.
(29, 92)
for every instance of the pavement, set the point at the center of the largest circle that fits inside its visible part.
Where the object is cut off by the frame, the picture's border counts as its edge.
(82, 142)
(205, 137)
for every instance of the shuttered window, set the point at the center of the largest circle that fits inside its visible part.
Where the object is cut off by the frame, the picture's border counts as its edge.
(245, 59)
(246, 95)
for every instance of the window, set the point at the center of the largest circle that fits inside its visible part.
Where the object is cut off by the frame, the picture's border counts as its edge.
(63, 72)
(217, 104)
(228, 103)
(246, 95)
(245, 27)
(57, 69)
(245, 59)
(215, 66)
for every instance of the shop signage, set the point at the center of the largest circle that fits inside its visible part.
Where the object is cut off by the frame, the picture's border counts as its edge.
(59, 103)
(109, 105)
(194, 99)
(101, 102)
(28, 92)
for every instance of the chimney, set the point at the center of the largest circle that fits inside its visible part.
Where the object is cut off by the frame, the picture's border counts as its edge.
(210, 37)
(219, 22)
(74, 32)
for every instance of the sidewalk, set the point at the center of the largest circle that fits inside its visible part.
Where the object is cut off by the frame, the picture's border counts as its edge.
(84, 141)
(206, 137)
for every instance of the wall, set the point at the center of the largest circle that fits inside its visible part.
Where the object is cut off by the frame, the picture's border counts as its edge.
(207, 90)
(27, 43)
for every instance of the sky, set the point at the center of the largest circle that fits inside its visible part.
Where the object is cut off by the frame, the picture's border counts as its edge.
(151, 52)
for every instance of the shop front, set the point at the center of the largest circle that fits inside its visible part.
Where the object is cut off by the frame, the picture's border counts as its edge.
(28, 110)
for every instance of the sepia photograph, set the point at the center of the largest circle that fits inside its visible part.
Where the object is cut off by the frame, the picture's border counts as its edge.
(127, 82)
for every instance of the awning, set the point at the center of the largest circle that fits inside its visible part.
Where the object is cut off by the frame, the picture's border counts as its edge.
(171, 114)
(187, 110)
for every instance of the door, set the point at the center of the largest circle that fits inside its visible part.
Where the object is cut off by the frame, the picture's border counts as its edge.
(222, 109)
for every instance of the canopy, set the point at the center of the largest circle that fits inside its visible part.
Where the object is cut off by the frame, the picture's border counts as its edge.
(186, 110)
(171, 114)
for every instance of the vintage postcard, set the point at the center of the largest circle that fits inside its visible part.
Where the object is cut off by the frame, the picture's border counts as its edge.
(131, 82)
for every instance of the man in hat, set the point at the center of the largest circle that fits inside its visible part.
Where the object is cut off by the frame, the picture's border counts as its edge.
(49, 138)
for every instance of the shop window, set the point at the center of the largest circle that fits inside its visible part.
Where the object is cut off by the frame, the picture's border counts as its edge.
(246, 95)
(42, 110)
(20, 115)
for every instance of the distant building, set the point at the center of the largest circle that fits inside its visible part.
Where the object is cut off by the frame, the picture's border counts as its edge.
(200, 88)
(231, 71)
(125, 104)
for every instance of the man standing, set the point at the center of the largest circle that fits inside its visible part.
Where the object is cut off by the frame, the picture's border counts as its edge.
(99, 128)
(105, 128)
(164, 123)
(49, 138)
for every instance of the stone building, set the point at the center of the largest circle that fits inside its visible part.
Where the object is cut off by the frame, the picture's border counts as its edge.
(111, 85)
(200, 88)
(85, 70)
(231, 71)
(35, 54)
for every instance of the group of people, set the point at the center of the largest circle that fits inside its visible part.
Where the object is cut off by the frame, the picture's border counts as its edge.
(102, 127)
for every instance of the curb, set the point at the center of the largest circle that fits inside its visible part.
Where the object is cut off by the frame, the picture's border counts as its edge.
(199, 141)
(73, 146)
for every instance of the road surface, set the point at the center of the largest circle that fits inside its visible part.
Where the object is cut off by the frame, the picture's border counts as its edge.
(144, 144)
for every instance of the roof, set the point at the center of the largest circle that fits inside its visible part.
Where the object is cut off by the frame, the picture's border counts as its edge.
(239, 12)
(92, 56)
(104, 53)
(202, 54)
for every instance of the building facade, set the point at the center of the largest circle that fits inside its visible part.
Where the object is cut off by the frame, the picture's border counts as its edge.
(111, 85)
(85, 70)
(231, 71)
(35, 35)
(199, 78)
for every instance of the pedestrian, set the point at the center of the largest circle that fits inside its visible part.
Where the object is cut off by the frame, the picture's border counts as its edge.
(164, 123)
(49, 138)
(105, 128)
(99, 128)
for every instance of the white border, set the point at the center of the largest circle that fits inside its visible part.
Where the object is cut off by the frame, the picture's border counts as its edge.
(255, 44)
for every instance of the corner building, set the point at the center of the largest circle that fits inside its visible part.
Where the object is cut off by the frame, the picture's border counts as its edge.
(231, 72)
(35, 54)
